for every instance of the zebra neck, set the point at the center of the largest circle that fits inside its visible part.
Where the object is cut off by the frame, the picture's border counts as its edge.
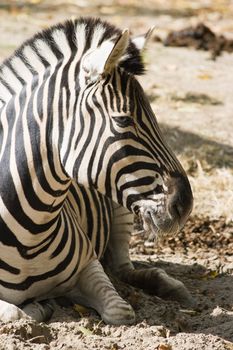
(33, 186)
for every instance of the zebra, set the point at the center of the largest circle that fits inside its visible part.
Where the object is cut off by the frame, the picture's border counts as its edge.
(81, 155)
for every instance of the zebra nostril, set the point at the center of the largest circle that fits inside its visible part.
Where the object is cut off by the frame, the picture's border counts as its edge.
(180, 200)
(176, 210)
(136, 209)
(179, 211)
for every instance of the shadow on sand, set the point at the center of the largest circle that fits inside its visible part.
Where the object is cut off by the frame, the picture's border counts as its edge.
(213, 315)
(214, 154)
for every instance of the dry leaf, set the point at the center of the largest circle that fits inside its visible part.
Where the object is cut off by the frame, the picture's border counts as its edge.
(82, 310)
(35, 1)
(210, 275)
(189, 312)
(205, 76)
(85, 330)
(165, 347)
(228, 346)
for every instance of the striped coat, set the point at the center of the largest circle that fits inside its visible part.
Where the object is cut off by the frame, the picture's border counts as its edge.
(76, 135)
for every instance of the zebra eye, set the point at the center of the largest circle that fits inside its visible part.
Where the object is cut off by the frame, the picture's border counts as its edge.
(123, 121)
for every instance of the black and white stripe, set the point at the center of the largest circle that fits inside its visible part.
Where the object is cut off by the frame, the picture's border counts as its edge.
(73, 139)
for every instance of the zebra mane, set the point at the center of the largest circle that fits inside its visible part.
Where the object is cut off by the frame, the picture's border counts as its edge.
(61, 42)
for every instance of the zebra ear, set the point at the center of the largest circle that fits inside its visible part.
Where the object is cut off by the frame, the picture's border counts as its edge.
(141, 41)
(103, 59)
(117, 51)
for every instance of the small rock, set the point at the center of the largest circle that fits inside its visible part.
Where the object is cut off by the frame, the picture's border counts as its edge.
(217, 311)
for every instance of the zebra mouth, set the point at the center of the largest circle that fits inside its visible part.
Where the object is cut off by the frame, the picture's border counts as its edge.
(154, 223)
(145, 221)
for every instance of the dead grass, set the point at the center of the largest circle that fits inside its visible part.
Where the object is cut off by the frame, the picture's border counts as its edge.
(213, 191)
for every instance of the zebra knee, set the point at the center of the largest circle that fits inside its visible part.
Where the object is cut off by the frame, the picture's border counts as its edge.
(119, 314)
(94, 289)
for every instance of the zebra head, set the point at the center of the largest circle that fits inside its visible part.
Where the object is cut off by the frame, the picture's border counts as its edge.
(122, 152)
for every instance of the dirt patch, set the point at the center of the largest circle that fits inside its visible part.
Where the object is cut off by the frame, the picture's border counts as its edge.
(200, 256)
(201, 99)
(199, 237)
(23, 332)
(200, 37)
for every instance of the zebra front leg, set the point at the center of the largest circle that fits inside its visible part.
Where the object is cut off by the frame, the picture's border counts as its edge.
(95, 290)
(154, 280)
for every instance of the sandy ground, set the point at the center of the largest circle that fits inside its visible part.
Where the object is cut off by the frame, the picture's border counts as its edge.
(200, 132)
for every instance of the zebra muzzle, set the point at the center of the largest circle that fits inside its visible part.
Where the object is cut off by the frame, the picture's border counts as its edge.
(145, 221)
(153, 220)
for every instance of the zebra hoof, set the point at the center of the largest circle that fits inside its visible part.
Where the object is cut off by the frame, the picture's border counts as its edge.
(169, 288)
(178, 292)
(39, 311)
(119, 316)
(10, 312)
(183, 297)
